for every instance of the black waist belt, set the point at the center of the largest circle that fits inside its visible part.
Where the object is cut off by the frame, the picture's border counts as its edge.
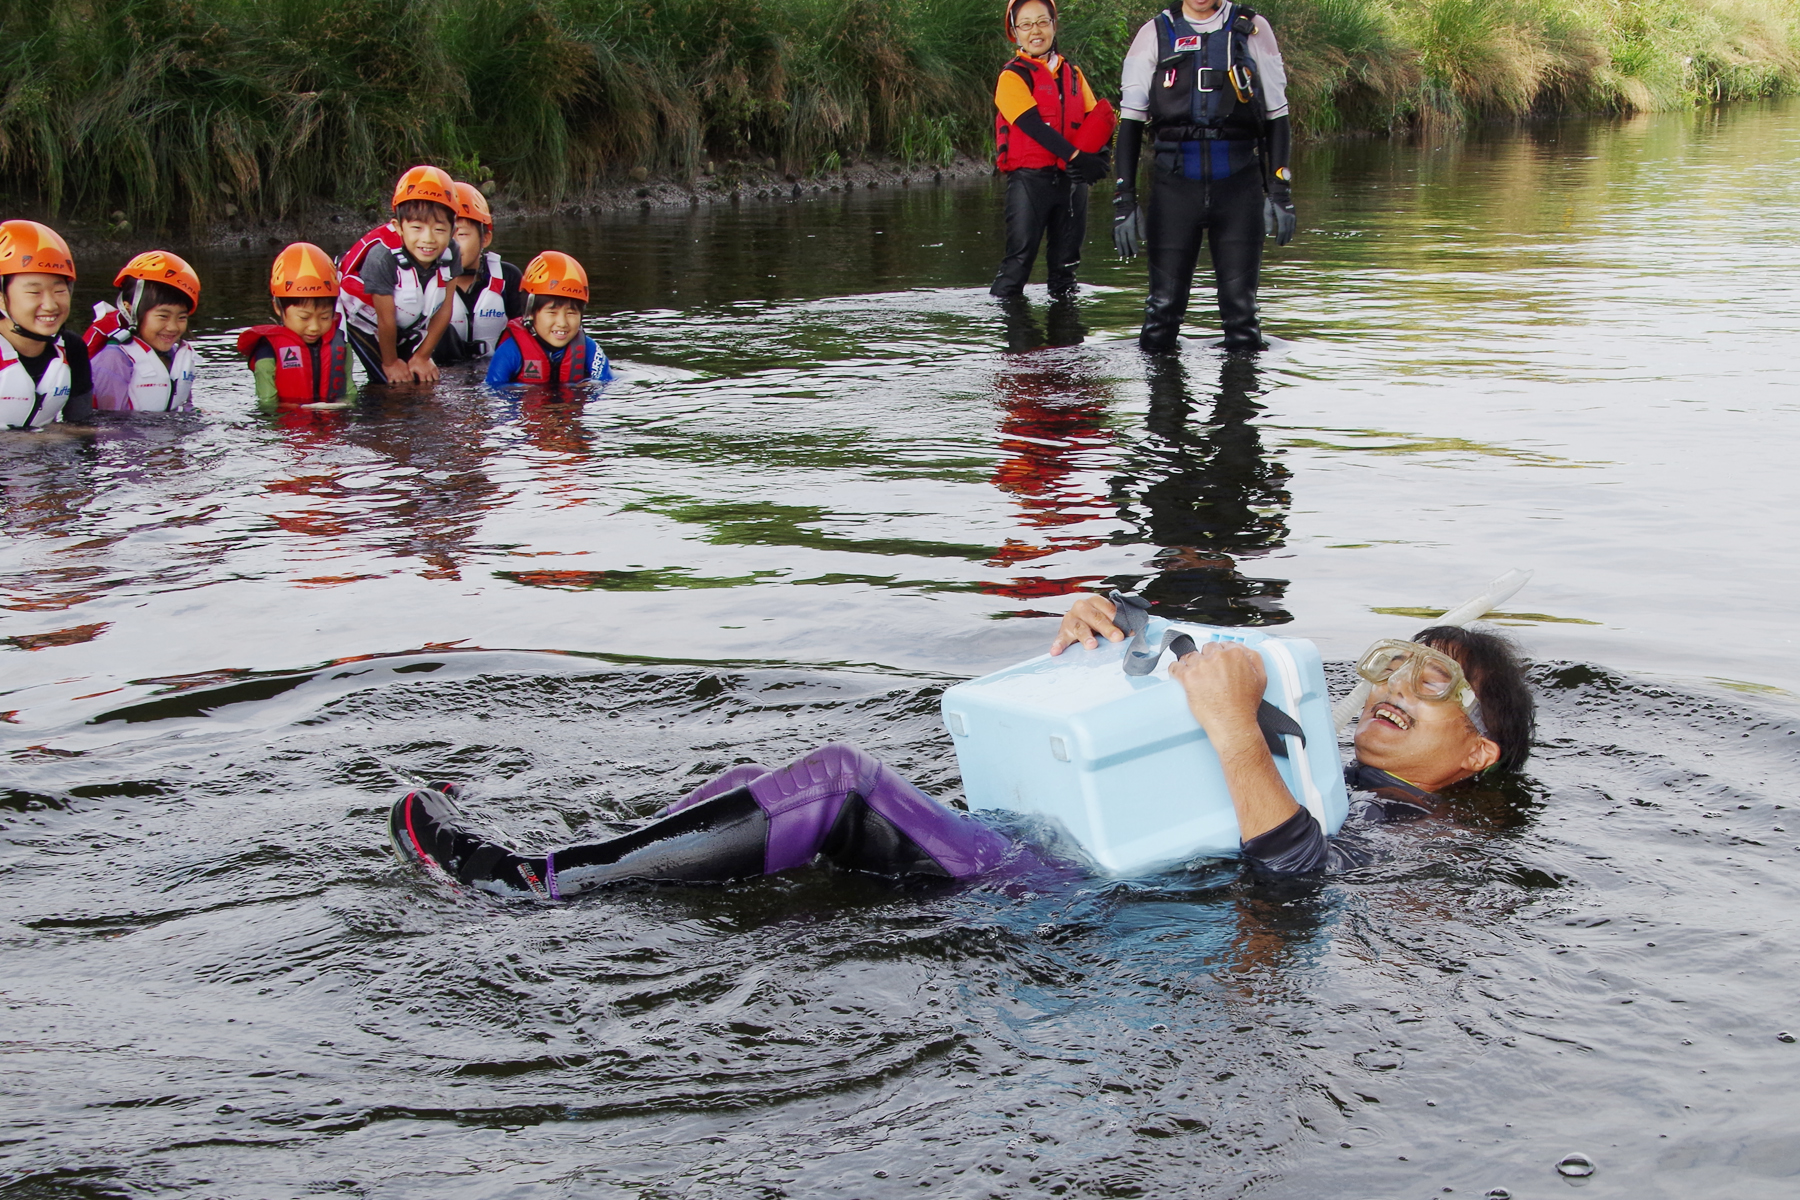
(1170, 136)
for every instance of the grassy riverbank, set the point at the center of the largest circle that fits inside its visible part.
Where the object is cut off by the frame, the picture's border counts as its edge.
(175, 111)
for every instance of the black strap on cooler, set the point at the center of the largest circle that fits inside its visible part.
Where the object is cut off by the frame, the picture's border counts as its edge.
(1133, 617)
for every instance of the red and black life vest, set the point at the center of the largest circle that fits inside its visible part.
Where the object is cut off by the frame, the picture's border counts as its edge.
(1060, 103)
(305, 372)
(536, 367)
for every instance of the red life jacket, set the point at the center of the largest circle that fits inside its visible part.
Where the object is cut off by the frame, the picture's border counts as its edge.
(105, 325)
(536, 366)
(1060, 103)
(315, 373)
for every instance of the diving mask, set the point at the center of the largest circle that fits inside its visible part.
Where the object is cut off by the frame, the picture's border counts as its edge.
(1435, 676)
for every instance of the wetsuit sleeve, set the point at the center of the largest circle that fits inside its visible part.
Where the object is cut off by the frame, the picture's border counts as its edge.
(1134, 79)
(110, 379)
(80, 408)
(1297, 846)
(503, 367)
(1271, 71)
(380, 272)
(1131, 145)
(262, 363)
(510, 294)
(1033, 126)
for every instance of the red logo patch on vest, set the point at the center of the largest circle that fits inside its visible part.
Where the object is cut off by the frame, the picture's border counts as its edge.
(532, 372)
(1191, 42)
(290, 358)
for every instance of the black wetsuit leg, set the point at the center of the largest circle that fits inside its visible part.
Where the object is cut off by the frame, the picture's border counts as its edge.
(1067, 230)
(1033, 195)
(1183, 214)
(368, 349)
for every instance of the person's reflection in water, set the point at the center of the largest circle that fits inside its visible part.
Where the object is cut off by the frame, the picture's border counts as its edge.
(1208, 495)
(1055, 420)
(425, 499)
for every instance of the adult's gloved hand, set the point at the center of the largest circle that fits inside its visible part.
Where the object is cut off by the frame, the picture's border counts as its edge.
(1279, 217)
(1128, 223)
(1089, 167)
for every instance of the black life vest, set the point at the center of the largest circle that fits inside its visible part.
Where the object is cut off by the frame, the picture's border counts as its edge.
(1206, 85)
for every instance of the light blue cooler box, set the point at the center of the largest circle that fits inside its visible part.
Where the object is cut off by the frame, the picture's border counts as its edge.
(1121, 762)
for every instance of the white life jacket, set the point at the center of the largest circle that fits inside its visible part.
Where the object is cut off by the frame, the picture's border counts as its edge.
(28, 405)
(479, 318)
(415, 299)
(155, 386)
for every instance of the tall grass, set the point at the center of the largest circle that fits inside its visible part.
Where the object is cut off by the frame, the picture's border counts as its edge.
(174, 109)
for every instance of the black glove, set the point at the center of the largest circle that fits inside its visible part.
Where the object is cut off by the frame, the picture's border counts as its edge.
(1087, 168)
(1128, 223)
(1278, 213)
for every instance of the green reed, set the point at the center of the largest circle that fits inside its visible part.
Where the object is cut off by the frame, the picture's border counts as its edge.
(174, 109)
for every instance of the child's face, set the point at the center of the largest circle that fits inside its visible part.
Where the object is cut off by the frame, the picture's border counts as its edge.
(309, 320)
(38, 302)
(163, 327)
(425, 239)
(557, 322)
(472, 237)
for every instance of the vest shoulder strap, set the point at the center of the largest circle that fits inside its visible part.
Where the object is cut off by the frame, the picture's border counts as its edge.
(1244, 21)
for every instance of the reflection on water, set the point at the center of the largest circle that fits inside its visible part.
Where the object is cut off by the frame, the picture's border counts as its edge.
(1206, 493)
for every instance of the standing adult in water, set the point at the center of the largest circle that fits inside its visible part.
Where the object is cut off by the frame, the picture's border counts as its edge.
(1205, 79)
(1050, 133)
(1444, 707)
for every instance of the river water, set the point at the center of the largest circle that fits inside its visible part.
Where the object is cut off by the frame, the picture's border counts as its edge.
(832, 478)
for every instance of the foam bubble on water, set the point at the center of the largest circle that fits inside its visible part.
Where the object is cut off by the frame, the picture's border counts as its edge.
(1575, 1166)
(1496, 1194)
(1784, 1036)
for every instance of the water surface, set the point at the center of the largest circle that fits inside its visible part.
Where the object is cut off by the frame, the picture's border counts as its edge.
(832, 478)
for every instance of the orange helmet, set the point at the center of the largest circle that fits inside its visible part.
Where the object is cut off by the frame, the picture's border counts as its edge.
(471, 205)
(28, 246)
(426, 183)
(303, 272)
(159, 266)
(1012, 10)
(554, 273)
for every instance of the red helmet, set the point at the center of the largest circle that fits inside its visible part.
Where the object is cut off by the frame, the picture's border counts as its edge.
(160, 266)
(303, 272)
(426, 183)
(1012, 10)
(471, 205)
(26, 246)
(554, 273)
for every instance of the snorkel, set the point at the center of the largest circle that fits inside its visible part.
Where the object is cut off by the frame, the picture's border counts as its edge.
(1345, 712)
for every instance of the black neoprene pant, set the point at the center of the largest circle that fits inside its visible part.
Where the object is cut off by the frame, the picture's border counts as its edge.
(1042, 200)
(1228, 213)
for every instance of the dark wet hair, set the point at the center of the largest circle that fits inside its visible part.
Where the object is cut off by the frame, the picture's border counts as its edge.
(155, 295)
(424, 210)
(283, 303)
(538, 302)
(1496, 670)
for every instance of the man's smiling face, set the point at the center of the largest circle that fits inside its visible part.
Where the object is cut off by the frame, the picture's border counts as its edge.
(1427, 743)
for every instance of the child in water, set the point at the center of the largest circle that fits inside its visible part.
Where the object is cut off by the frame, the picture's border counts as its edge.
(142, 360)
(43, 369)
(486, 295)
(547, 345)
(397, 278)
(305, 360)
